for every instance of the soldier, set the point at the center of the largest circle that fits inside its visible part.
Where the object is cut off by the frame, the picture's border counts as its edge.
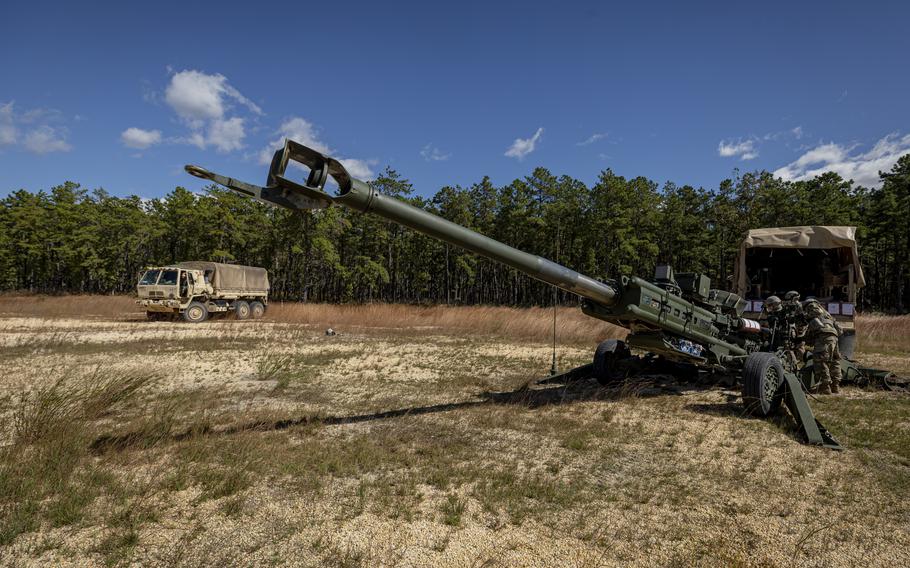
(793, 311)
(781, 322)
(822, 331)
(791, 299)
(771, 307)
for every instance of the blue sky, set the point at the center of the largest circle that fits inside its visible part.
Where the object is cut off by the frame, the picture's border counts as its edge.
(122, 95)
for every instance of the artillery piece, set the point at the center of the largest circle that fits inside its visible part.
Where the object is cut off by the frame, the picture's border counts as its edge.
(677, 319)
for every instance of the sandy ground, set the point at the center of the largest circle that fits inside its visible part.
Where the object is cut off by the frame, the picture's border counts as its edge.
(378, 448)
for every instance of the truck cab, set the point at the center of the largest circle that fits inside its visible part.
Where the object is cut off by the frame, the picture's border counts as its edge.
(197, 290)
(820, 262)
(169, 289)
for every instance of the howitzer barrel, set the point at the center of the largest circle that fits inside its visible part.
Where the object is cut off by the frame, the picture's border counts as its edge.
(360, 196)
(364, 198)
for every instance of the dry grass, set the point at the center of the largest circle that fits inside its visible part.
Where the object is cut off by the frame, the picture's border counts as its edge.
(268, 443)
(531, 323)
(879, 332)
(68, 306)
(46, 472)
(876, 332)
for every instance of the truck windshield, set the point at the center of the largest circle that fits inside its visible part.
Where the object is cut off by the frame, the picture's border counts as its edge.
(168, 278)
(149, 277)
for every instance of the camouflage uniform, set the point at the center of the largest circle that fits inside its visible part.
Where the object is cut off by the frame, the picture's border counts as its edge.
(772, 318)
(823, 332)
(796, 317)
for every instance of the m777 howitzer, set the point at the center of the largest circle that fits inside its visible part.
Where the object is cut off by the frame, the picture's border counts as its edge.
(678, 320)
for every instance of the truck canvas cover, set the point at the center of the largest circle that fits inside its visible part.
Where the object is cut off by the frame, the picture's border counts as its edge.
(806, 237)
(229, 277)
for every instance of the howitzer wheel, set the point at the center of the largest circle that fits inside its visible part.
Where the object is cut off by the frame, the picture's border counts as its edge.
(607, 359)
(763, 377)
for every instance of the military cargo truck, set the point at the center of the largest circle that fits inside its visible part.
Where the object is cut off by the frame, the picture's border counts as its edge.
(817, 261)
(198, 290)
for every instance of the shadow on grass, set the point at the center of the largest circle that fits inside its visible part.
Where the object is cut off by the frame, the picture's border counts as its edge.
(573, 386)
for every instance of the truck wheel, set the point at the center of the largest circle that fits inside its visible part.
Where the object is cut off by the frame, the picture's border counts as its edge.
(257, 309)
(763, 376)
(196, 312)
(241, 310)
(607, 358)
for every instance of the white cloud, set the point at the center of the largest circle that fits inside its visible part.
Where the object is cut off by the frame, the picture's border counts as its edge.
(203, 102)
(524, 146)
(140, 139)
(40, 136)
(431, 153)
(745, 149)
(592, 139)
(862, 168)
(194, 139)
(797, 132)
(360, 169)
(199, 96)
(9, 134)
(226, 135)
(46, 139)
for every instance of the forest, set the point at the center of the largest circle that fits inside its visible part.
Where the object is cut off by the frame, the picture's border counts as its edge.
(72, 240)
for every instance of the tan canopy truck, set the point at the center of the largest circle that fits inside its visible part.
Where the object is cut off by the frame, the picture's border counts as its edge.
(820, 262)
(196, 290)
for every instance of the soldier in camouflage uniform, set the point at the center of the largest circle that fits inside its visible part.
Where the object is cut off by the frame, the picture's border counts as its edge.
(781, 328)
(772, 319)
(771, 306)
(822, 332)
(791, 302)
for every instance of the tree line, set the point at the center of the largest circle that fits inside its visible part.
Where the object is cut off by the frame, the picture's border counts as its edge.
(71, 240)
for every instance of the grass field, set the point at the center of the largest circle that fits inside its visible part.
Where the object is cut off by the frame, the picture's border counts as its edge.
(411, 439)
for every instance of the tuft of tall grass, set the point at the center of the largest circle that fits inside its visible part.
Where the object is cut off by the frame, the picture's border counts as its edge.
(45, 473)
(274, 366)
(68, 400)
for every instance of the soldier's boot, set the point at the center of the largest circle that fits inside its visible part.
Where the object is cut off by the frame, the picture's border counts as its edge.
(824, 388)
(835, 387)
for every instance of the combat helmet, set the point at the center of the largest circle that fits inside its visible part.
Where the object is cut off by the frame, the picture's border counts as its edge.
(772, 303)
(791, 296)
(812, 307)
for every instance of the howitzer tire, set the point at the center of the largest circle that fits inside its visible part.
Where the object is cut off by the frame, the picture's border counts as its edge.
(606, 358)
(196, 312)
(763, 378)
(241, 310)
(257, 309)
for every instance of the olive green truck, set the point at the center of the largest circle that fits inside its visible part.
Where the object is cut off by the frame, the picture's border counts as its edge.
(198, 290)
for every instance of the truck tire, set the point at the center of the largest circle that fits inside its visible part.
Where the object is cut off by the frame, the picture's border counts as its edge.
(196, 312)
(257, 309)
(241, 310)
(606, 357)
(763, 377)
